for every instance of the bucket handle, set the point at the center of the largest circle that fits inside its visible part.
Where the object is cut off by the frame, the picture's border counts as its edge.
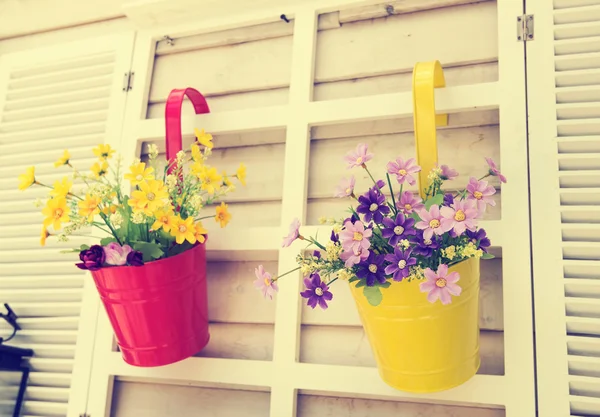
(173, 118)
(426, 77)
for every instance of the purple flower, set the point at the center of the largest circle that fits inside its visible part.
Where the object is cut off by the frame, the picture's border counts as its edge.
(461, 216)
(317, 254)
(404, 170)
(92, 258)
(409, 203)
(398, 228)
(379, 185)
(431, 222)
(354, 256)
(448, 173)
(372, 206)
(400, 264)
(334, 237)
(116, 254)
(346, 187)
(264, 283)
(494, 170)
(355, 236)
(424, 247)
(293, 234)
(316, 292)
(481, 192)
(448, 200)
(135, 258)
(372, 269)
(359, 156)
(353, 219)
(481, 237)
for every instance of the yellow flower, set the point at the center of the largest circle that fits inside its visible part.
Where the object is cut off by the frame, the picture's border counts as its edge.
(27, 179)
(226, 179)
(56, 212)
(196, 153)
(63, 160)
(149, 197)
(103, 151)
(61, 188)
(89, 207)
(138, 173)
(210, 178)
(204, 138)
(100, 168)
(184, 230)
(164, 219)
(241, 174)
(223, 216)
(43, 235)
(112, 209)
(322, 220)
(200, 232)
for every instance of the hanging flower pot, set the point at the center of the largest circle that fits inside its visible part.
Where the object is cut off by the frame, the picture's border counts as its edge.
(412, 261)
(150, 270)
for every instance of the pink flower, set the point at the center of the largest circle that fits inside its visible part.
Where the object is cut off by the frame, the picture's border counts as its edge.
(448, 173)
(355, 237)
(346, 187)
(264, 283)
(354, 256)
(293, 234)
(461, 216)
(481, 192)
(404, 170)
(359, 156)
(431, 222)
(494, 170)
(116, 254)
(441, 285)
(409, 203)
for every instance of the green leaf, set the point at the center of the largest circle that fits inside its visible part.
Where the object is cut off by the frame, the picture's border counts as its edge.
(384, 285)
(437, 199)
(150, 250)
(177, 249)
(373, 295)
(105, 241)
(82, 248)
(361, 283)
(487, 256)
(353, 279)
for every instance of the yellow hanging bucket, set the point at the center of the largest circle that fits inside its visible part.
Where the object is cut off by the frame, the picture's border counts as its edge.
(422, 347)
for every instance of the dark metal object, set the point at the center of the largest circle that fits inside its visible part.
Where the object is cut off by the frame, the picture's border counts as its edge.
(284, 18)
(11, 358)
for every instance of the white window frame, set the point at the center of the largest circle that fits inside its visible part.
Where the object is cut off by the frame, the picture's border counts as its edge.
(284, 376)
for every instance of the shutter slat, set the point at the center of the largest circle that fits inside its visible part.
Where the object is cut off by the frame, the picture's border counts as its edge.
(580, 94)
(576, 30)
(45, 309)
(577, 46)
(29, 242)
(37, 394)
(578, 77)
(575, 287)
(586, 406)
(582, 269)
(59, 337)
(60, 88)
(583, 326)
(50, 365)
(44, 295)
(49, 102)
(65, 75)
(53, 133)
(579, 162)
(581, 250)
(73, 119)
(578, 144)
(49, 323)
(40, 379)
(583, 346)
(51, 351)
(581, 232)
(44, 282)
(580, 196)
(580, 214)
(578, 127)
(577, 61)
(578, 111)
(577, 14)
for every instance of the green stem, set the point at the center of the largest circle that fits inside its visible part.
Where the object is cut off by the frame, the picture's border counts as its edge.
(314, 242)
(113, 231)
(394, 208)
(205, 217)
(287, 273)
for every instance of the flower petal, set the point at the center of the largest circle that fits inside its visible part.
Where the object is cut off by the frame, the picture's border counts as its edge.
(454, 289)
(434, 295)
(445, 296)
(452, 277)
(442, 270)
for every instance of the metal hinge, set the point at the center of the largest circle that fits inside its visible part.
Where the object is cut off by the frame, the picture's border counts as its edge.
(525, 28)
(128, 81)
(84, 415)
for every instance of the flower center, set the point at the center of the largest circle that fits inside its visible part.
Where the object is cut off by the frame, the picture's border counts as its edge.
(221, 216)
(478, 195)
(402, 172)
(319, 291)
(182, 229)
(459, 216)
(373, 207)
(398, 230)
(357, 236)
(402, 264)
(58, 213)
(348, 190)
(164, 219)
(408, 207)
(150, 196)
(373, 268)
(359, 160)
(139, 177)
(440, 282)
(427, 242)
(434, 224)
(267, 282)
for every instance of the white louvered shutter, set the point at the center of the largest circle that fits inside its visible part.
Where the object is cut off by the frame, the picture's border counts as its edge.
(563, 65)
(68, 96)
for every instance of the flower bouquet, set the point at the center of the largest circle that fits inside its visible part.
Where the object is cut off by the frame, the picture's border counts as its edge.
(405, 258)
(149, 265)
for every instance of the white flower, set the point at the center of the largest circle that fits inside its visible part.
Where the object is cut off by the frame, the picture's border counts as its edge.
(38, 202)
(322, 220)
(337, 228)
(171, 182)
(305, 269)
(196, 202)
(63, 238)
(332, 251)
(207, 152)
(405, 243)
(138, 218)
(116, 219)
(344, 274)
(434, 174)
(152, 151)
(180, 156)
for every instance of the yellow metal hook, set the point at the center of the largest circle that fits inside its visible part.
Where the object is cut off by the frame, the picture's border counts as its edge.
(426, 77)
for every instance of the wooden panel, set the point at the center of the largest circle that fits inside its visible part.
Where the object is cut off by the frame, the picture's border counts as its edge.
(132, 399)
(318, 406)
